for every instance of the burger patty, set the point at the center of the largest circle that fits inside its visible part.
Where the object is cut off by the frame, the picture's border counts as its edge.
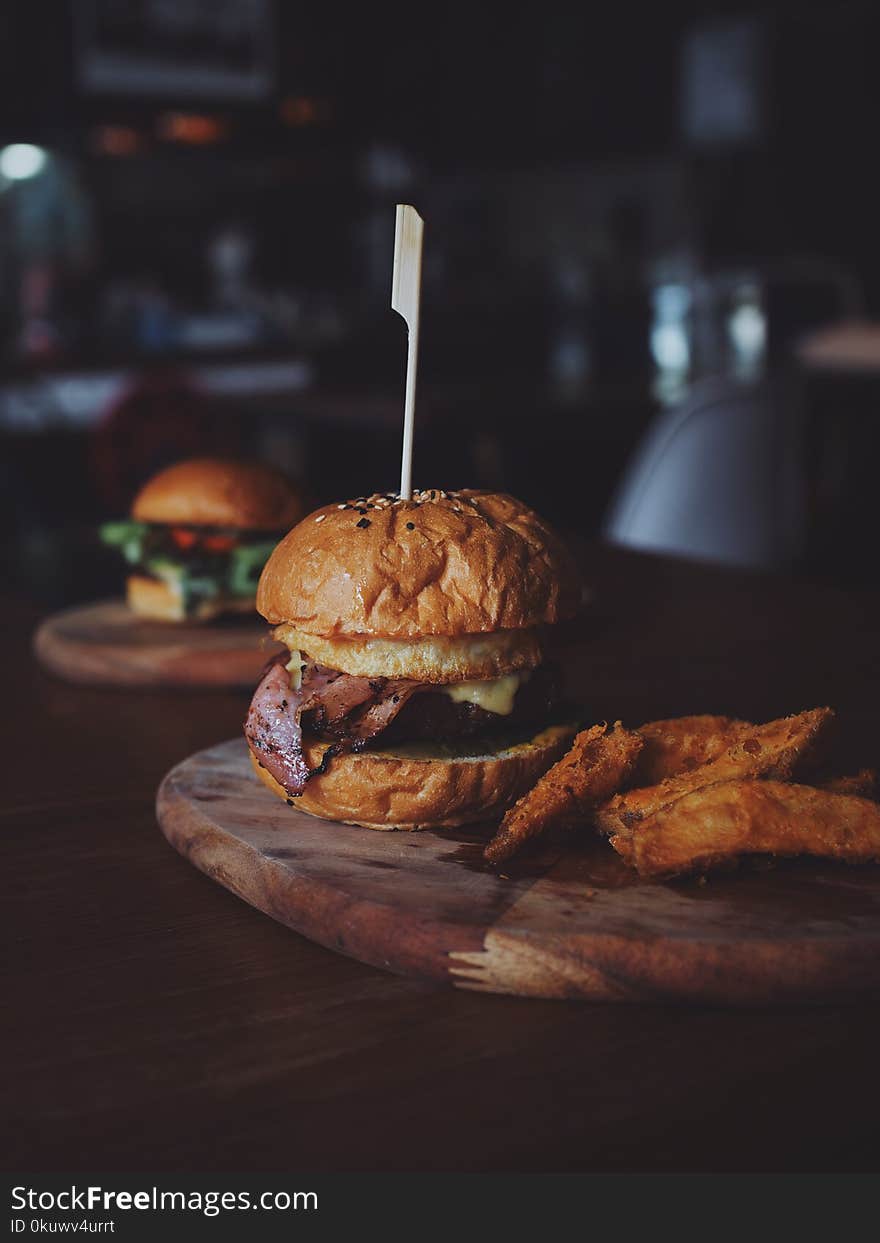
(437, 716)
(352, 712)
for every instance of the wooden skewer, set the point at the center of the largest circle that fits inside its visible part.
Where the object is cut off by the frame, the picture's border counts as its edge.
(406, 288)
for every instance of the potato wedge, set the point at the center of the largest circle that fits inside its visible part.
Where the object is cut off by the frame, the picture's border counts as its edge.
(720, 823)
(684, 743)
(599, 762)
(863, 783)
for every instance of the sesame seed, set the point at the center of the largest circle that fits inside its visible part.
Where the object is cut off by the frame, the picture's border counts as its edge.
(364, 522)
(410, 526)
(320, 517)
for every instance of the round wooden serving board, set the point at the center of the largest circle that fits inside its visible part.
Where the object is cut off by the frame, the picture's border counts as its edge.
(107, 643)
(571, 922)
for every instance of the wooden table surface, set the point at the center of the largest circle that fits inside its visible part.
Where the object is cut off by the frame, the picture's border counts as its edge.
(155, 1022)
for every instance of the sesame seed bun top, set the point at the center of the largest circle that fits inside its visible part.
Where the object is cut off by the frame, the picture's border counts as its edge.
(444, 563)
(220, 492)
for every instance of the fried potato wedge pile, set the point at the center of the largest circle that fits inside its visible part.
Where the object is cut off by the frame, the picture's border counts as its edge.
(694, 793)
(776, 751)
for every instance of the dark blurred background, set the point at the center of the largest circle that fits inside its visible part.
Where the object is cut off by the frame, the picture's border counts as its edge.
(651, 299)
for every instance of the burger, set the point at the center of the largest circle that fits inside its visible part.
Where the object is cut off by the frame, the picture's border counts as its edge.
(417, 687)
(199, 535)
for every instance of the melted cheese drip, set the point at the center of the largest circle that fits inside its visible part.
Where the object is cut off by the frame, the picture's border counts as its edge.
(294, 668)
(494, 694)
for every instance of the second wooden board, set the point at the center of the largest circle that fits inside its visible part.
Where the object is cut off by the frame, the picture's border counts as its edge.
(570, 924)
(107, 643)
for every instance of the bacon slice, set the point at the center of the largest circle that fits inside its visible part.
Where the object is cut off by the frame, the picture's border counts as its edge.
(274, 732)
(377, 715)
(352, 710)
(330, 695)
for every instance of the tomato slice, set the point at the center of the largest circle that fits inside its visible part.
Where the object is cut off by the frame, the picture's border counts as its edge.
(183, 538)
(218, 543)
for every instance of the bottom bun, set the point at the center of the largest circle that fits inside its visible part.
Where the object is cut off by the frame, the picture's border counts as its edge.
(153, 598)
(418, 787)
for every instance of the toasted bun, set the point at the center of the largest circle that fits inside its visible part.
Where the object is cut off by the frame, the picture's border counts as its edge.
(472, 563)
(436, 659)
(220, 493)
(149, 597)
(405, 790)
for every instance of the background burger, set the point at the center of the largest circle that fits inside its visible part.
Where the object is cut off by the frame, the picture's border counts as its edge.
(199, 535)
(418, 687)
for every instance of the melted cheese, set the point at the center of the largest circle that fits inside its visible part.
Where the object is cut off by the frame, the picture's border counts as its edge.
(494, 694)
(294, 668)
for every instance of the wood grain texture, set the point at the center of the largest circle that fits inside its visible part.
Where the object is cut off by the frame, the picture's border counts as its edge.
(105, 643)
(573, 923)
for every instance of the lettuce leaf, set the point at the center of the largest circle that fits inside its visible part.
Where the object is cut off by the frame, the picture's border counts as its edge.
(245, 566)
(129, 537)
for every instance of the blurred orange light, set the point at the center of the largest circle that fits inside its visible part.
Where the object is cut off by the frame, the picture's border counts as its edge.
(191, 127)
(301, 110)
(116, 140)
